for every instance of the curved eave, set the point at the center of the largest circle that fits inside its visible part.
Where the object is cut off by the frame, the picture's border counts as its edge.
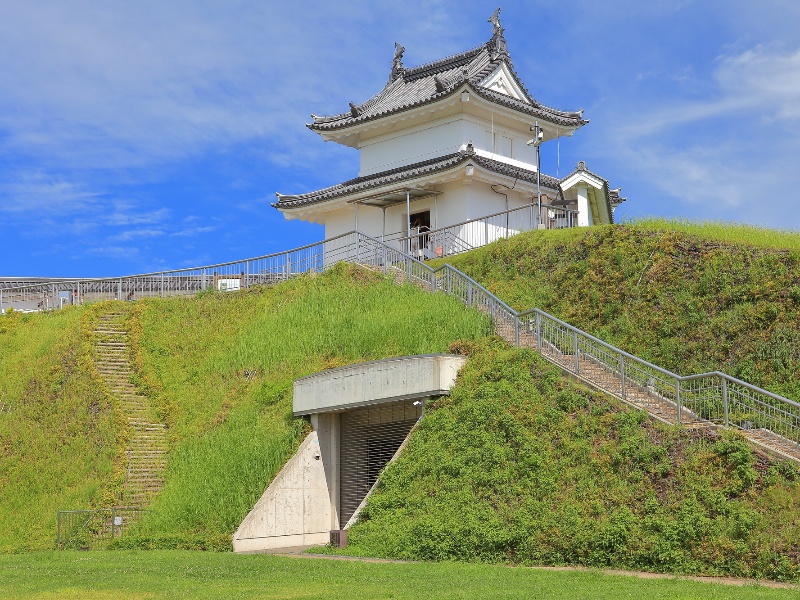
(568, 120)
(356, 188)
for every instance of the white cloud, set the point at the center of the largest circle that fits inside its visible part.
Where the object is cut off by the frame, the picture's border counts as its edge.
(730, 155)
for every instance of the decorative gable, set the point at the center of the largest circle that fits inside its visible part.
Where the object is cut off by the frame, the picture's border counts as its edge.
(502, 81)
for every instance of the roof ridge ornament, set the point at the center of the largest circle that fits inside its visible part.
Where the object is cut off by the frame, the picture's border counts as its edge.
(498, 42)
(355, 111)
(397, 62)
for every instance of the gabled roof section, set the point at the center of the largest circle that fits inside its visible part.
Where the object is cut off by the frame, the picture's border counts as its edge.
(410, 88)
(409, 173)
(583, 175)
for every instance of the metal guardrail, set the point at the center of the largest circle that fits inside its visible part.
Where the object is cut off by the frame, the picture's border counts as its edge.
(464, 236)
(702, 399)
(83, 529)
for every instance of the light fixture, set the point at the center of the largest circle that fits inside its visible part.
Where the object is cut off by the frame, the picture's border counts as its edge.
(465, 96)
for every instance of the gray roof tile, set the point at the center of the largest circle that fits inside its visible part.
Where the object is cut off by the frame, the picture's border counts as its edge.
(409, 173)
(436, 80)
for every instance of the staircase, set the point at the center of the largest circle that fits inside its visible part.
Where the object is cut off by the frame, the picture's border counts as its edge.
(145, 454)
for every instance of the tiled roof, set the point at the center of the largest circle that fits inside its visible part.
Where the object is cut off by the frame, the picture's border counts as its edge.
(410, 88)
(612, 196)
(409, 173)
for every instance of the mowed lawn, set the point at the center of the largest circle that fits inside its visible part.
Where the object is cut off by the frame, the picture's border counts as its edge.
(183, 574)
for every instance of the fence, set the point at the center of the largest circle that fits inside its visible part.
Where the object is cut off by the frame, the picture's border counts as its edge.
(461, 237)
(83, 529)
(698, 400)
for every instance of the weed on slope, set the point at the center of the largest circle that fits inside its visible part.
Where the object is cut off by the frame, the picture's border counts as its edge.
(518, 465)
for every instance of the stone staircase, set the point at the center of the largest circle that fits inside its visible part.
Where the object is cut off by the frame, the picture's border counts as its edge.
(146, 451)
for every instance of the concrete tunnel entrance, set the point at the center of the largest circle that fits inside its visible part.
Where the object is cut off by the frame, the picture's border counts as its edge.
(370, 437)
(360, 415)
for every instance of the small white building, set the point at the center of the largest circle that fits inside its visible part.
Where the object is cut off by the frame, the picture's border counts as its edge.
(449, 159)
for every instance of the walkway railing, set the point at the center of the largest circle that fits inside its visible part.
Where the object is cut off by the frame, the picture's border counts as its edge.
(475, 233)
(699, 400)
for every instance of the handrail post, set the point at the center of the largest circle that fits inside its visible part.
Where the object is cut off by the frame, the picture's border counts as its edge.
(516, 331)
(58, 534)
(577, 357)
(449, 287)
(119, 290)
(538, 333)
(1, 301)
(725, 400)
(433, 282)
(469, 294)
(622, 373)
(161, 293)
(358, 239)
(678, 400)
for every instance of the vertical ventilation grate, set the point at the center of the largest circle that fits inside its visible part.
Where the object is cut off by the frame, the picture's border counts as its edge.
(369, 438)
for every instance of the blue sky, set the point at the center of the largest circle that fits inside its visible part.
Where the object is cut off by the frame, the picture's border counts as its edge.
(138, 136)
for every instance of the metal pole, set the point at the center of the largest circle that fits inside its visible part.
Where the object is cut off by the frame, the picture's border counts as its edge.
(357, 236)
(58, 535)
(577, 357)
(516, 331)
(469, 294)
(725, 399)
(678, 399)
(538, 332)
(383, 231)
(408, 218)
(622, 373)
(538, 175)
(1, 301)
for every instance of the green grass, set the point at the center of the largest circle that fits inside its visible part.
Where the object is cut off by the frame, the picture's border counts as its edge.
(520, 466)
(180, 574)
(729, 233)
(58, 429)
(689, 297)
(220, 368)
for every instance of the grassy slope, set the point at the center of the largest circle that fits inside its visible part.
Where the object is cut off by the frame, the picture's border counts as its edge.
(58, 431)
(221, 369)
(519, 466)
(691, 298)
(171, 574)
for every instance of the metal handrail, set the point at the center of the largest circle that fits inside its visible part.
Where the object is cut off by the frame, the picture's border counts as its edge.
(570, 348)
(498, 214)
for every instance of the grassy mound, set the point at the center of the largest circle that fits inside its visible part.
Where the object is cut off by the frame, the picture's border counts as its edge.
(690, 298)
(59, 431)
(520, 466)
(220, 369)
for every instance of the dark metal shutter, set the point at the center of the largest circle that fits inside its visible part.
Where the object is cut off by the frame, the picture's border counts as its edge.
(369, 438)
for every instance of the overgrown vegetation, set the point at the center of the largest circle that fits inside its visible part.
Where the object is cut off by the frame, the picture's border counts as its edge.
(59, 431)
(220, 368)
(521, 466)
(689, 297)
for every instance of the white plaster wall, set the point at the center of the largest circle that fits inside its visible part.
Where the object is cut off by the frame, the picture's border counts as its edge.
(295, 510)
(418, 144)
(440, 137)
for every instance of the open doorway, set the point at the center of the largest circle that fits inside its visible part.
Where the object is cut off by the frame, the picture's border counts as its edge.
(420, 226)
